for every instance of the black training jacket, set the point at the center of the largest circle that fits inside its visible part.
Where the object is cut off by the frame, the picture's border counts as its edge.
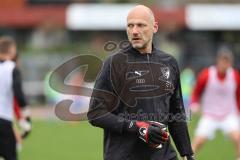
(135, 86)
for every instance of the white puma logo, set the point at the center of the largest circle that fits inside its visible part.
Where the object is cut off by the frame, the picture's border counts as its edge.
(138, 73)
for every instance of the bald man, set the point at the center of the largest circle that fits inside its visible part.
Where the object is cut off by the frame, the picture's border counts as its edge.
(137, 98)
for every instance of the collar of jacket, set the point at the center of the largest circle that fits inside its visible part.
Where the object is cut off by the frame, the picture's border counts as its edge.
(137, 52)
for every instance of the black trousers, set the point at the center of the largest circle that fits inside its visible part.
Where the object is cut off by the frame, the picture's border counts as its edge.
(8, 149)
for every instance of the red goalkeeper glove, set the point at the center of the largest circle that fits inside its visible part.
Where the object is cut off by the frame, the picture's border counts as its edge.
(151, 132)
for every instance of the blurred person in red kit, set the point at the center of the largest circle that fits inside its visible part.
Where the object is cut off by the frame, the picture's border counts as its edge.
(217, 92)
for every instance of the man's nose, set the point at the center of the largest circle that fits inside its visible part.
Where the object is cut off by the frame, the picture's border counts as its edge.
(135, 30)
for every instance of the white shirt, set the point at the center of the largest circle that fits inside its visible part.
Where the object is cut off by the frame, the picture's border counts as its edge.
(6, 90)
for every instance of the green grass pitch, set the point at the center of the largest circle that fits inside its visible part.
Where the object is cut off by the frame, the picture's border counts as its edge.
(56, 140)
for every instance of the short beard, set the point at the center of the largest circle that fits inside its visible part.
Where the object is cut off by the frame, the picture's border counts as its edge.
(140, 47)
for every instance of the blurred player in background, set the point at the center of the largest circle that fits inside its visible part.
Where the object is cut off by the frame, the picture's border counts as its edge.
(217, 91)
(10, 84)
(19, 130)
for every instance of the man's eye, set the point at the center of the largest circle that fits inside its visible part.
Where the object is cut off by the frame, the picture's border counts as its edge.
(130, 25)
(141, 25)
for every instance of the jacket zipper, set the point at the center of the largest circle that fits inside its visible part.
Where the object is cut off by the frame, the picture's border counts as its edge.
(154, 102)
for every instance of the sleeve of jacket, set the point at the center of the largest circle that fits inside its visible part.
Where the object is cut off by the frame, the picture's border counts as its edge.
(17, 88)
(178, 125)
(104, 101)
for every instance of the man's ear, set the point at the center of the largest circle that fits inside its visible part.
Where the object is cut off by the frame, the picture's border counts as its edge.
(155, 27)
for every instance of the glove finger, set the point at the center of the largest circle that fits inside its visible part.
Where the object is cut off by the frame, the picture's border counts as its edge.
(154, 140)
(158, 126)
(157, 139)
(164, 139)
(164, 134)
(159, 133)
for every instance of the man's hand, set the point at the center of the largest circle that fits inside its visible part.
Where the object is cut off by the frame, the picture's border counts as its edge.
(153, 133)
(25, 123)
